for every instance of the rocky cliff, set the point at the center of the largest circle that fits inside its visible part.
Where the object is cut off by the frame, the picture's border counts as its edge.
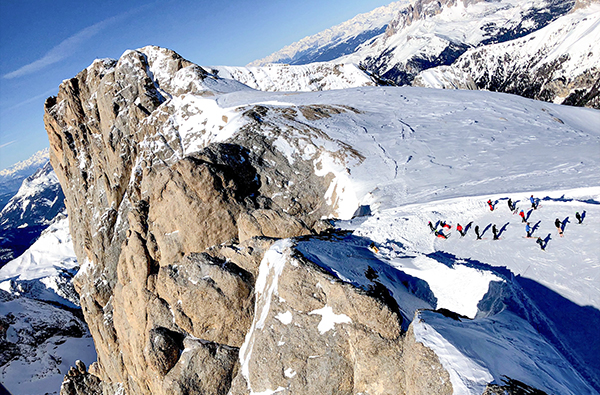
(171, 242)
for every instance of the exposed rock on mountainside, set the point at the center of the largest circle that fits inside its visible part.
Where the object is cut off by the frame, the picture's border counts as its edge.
(311, 77)
(558, 63)
(153, 209)
(161, 309)
(430, 33)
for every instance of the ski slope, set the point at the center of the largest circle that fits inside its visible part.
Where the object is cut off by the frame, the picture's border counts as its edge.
(528, 314)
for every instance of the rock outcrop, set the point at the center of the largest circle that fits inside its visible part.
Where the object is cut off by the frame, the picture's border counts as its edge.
(176, 241)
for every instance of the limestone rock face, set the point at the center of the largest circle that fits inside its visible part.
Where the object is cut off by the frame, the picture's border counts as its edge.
(308, 323)
(142, 213)
(184, 284)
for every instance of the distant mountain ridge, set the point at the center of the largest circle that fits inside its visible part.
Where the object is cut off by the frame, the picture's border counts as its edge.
(29, 212)
(427, 35)
(12, 177)
(337, 41)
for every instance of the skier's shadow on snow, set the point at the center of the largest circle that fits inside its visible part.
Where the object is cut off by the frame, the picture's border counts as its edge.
(503, 228)
(486, 229)
(546, 240)
(467, 228)
(528, 214)
(537, 225)
(564, 224)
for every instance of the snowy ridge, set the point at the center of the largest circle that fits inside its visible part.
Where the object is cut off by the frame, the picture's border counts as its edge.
(513, 297)
(563, 50)
(311, 77)
(29, 212)
(12, 177)
(312, 46)
(35, 161)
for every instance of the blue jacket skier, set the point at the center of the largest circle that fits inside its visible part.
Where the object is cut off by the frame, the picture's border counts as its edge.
(528, 230)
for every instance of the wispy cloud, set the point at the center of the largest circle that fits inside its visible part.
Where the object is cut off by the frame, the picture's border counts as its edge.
(30, 100)
(7, 144)
(68, 46)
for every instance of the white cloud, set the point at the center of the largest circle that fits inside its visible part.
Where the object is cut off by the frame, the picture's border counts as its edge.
(7, 144)
(68, 46)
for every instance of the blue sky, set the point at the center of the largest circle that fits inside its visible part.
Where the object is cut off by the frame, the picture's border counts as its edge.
(45, 42)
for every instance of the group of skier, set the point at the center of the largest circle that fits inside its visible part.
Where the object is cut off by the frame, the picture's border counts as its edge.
(529, 230)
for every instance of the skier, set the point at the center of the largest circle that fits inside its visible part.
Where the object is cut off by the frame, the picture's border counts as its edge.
(558, 225)
(373, 248)
(522, 215)
(528, 230)
(541, 243)
(495, 232)
(477, 232)
(489, 202)
(580, 217)
(533, 202)
(510, 205)
(441, 234)
(459, 228)
(445, 225)
(431, 226)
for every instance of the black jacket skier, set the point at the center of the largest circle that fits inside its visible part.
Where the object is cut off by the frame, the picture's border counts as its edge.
(477, 232)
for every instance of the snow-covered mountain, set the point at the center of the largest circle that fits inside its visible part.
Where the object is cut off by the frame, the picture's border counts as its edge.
(542, 49)
(208, 264)
(12, 177)
(306, 78)
(38, 201)
(45, 270)
(336, 41)
(558, 63)
(434, 33)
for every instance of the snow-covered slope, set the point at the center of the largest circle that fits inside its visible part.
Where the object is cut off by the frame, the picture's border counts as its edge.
(558, 63)
(518, 303)
(336, 41)
(12, 177)
(39, 344)
(45, 270)
(29, 212)
(311, 77)
(432, 33)
(410, 140)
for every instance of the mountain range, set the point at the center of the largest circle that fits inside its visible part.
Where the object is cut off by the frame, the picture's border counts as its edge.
(292, 226)
(543, 49)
